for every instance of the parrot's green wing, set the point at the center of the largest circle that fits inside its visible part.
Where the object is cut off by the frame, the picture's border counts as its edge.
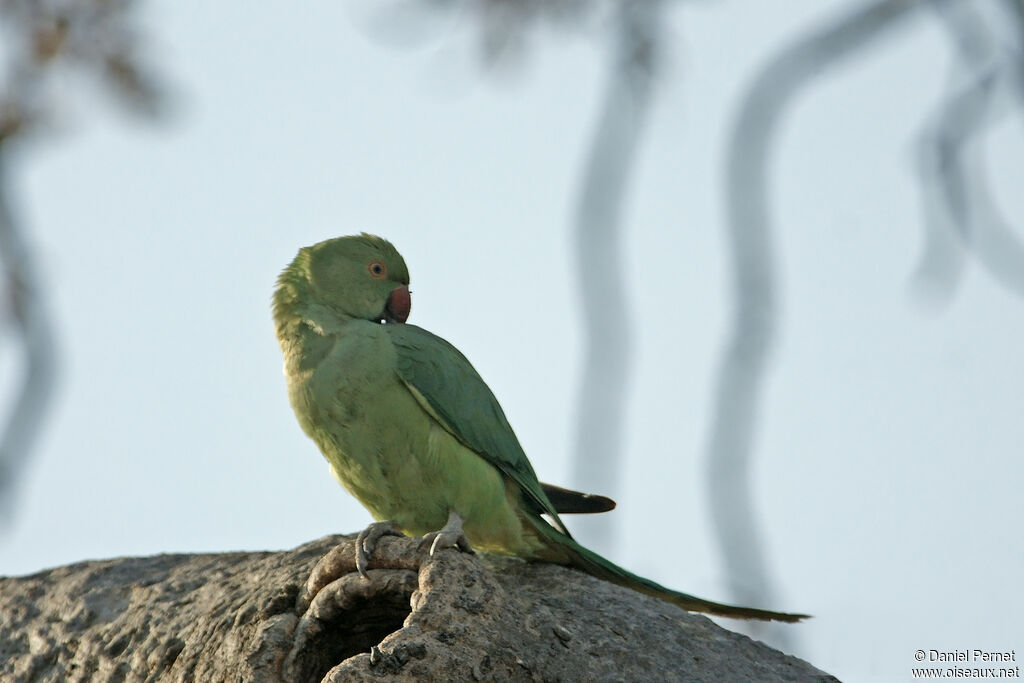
(451, 390)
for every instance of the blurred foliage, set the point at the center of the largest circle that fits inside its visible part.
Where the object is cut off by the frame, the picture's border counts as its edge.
(41, 38)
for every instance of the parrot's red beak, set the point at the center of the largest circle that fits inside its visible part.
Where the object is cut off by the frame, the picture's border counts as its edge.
(398, 306)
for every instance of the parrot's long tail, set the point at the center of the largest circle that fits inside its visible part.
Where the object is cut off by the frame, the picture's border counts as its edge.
(566, 551)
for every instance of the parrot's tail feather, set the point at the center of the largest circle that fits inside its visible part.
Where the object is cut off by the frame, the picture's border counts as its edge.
(567, 501)
(564, 550)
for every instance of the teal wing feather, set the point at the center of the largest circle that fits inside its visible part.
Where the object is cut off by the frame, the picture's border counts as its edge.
(437, 373)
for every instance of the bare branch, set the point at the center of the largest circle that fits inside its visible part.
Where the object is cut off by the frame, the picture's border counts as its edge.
(44, 36)
(28, 313)
(752, 334)
(960, 215)
(504, 23)
(503, 27)
(604, 390)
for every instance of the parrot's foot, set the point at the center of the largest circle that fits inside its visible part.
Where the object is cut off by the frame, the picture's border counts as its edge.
(451, 536)
(366, 541)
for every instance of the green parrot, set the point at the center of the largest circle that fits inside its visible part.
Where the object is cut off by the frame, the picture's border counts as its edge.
(411, 429)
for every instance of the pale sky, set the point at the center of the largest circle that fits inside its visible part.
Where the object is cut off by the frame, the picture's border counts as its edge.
(888, 469)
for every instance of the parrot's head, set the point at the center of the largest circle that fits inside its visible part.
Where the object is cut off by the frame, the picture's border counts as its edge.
(361, 276)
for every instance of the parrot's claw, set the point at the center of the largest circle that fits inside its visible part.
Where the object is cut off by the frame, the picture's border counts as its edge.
(451, 536)
(366, 541)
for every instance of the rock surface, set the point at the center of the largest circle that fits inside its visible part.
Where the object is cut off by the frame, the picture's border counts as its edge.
(233, 616)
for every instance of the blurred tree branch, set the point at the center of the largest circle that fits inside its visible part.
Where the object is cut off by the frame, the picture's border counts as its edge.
(42, 38)
(503, 27)
(960, 216)
(604, 389)
(27, 310)
(751, 337)
(504, 23)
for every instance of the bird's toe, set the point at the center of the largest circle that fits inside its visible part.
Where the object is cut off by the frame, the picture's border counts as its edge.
(366, 541)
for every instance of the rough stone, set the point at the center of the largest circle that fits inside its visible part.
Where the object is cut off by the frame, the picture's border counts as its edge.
(453, 616)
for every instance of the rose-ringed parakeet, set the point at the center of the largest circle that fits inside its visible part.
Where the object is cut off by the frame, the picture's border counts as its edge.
(410, 428)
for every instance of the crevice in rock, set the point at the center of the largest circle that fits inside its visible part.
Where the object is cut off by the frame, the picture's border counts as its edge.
(350, 616)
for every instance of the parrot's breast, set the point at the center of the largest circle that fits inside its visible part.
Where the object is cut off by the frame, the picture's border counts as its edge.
(386, 450)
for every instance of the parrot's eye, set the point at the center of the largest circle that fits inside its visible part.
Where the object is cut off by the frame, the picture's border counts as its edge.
(377, 269)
